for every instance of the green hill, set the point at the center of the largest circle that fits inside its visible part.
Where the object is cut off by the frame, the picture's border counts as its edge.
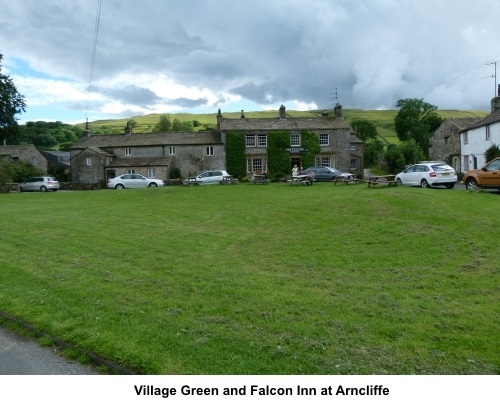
(382, 119)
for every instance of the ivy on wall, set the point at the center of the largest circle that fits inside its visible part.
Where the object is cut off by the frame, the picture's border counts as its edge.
(278, 160)
(235, 153)
(310, 141)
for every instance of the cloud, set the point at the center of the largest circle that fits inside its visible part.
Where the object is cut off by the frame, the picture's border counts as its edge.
(199, 55)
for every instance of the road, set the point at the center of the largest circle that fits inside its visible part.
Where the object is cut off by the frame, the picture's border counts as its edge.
(22, 356)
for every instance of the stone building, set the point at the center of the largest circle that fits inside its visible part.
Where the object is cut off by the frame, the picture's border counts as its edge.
(444, 144)
(339, 147)
(96, 158)
(25, 153)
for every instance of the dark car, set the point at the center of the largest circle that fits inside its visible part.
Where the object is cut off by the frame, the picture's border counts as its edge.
(324, 173)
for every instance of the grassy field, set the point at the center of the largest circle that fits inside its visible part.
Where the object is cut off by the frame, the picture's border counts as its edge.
(248, 279)
(382, 119)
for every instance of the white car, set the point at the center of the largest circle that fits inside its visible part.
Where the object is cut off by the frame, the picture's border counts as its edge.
(211, 177)
(428, 174)
(133, 181)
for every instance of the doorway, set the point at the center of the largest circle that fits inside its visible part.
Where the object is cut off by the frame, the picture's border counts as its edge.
(295, 160)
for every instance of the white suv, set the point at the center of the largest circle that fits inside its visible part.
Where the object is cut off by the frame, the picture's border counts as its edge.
(428, 174)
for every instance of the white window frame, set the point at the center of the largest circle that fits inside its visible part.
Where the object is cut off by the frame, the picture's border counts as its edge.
(130, 171)
(295, 140)
(128, 152)
(488, 133)
(151, 173)
(466, 138)
(250, 141)
(262, 140)
(88, 161)
(209, 151)
(171, 150)
(324, 139)
(353, 164)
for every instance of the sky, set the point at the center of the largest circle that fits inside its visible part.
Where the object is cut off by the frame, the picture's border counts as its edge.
(78, 60)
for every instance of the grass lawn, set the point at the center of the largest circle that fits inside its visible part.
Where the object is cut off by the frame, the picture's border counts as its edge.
(248, 279)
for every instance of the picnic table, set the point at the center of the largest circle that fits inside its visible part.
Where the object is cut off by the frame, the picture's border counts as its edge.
(301, 179)
(389, 179)
(345, 180)
(259, 179)
(190, 181)
(228, 180)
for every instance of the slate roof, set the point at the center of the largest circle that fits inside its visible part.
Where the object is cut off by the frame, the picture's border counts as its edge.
(142, 161)
(270, 124)
(148, 139)
(462, 123)
(490, 119)
(16, 150)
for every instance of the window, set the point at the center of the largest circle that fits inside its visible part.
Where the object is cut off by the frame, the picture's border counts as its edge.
(295, 140)
(466, 138)
(353, 164)
(326, 161)
(256, 165)
(262, 140)
(151, 173)
(127, 152)
(130, 171)
(352, 146)
(171, 150)
(324, 139)
(466, 163)
(210, 150)
(88, 161)
(250, 140)
(488, 134)
(446, 140)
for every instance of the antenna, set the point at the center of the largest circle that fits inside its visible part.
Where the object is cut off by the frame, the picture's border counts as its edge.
(334, 96)
(494, 75)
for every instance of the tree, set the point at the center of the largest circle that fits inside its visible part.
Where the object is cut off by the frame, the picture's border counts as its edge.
(11, 104)
(492, 152)
(416, 120)
(365, 130)
(164, 124)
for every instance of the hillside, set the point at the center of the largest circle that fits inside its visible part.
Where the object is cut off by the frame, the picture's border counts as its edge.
(382, 119)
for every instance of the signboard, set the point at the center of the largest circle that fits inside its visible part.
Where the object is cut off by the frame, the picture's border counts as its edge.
(297, 150)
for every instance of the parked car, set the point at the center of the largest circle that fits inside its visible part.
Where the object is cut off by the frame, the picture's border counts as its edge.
(486, 177)
(428, 174)
(211, 176)
(134, 181)
(324, 173)
(41, 183)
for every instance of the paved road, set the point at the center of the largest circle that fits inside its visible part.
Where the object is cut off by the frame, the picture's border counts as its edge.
(22, 356)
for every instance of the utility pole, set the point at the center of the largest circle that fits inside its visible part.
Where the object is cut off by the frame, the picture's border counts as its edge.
(494, 76)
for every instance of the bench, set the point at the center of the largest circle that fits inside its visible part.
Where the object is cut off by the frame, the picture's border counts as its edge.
(344, 180)
(388, 179)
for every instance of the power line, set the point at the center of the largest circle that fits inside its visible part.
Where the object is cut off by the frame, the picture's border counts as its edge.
(94, 47)
(460, 75)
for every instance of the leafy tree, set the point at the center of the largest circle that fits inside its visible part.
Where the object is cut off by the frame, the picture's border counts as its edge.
(365, 130)
(373, 149)
(394, 159)
(16, 172)
(416, 120)
(492, 152)
(184, 126)
(164, 124)
(11, 104)
(411, 152)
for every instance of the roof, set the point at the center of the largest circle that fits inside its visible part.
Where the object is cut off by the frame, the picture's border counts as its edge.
(16, 150)
(462, 123)
(148, 139)
(490, 119)
(144, 161)
(270, 124)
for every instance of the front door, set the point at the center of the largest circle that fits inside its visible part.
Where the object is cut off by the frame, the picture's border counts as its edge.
(295, 160)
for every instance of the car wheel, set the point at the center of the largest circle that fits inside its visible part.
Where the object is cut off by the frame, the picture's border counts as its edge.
(424, 184)
(398, 180)
(43, 189)
(153, 185)
(119, 187)
(471, 184)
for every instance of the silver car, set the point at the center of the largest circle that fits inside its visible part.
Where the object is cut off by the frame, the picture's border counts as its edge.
(211, 177)
(40, 183)
(134, 181)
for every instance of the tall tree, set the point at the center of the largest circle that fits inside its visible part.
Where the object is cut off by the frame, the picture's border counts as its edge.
(11, 104)
(164, 124)
(416, 119)
(364, 129)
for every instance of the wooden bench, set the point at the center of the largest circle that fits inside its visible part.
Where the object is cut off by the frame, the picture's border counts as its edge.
(388, 179)
(344, 180)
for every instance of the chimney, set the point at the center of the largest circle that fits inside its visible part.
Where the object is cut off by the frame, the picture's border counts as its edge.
(495, 101)
(282, 112)
(86, 131)
(325, 113)
(242, 114)
(128, 129)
